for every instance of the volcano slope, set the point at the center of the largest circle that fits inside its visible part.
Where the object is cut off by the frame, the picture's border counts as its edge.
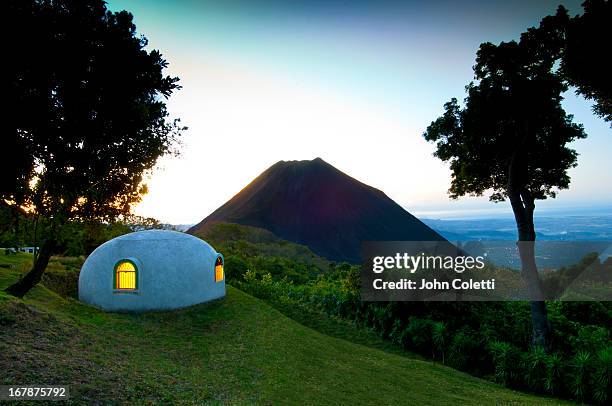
(314, 204)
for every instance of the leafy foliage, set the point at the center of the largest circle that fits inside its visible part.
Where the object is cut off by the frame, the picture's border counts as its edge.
(86, 117)
(512, 111)
(76, 237)
(257, 250)
(585, 52)
(506, 358)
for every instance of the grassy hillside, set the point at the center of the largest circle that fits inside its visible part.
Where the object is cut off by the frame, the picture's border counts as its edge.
(237, 350)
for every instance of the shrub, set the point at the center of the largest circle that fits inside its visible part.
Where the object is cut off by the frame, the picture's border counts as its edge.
(601, 375)
(590, 339)
(399, 333)
(462, 348)
(438, 336)
(595, 313)
(419, 331)
(553, 382)
(536, 362)
(581, 373)
(235, 267)
(506, 359)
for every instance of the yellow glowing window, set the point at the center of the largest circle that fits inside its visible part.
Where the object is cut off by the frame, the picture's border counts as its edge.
(219, 270)
(125, 275)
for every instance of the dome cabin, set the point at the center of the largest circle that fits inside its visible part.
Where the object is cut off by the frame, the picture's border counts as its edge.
(152, 270)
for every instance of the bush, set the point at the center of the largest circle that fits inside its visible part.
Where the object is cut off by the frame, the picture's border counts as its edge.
(419, 331)
(553, 382)
(601, 375)
(439, 338)
(463, 347)
(399, 334)
(507, 361)
(590, 339)
(581, 374)
(536, 363)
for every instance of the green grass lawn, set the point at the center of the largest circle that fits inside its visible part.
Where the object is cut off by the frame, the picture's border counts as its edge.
(235, 351)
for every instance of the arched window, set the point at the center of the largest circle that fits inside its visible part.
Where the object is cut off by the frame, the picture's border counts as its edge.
(126, 275)
(219, 269)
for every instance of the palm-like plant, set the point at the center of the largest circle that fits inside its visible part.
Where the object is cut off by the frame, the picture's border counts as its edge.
(581, 365)
(603, 368)
(438, 336)
(505, 358)
(535, 363)
(554, 373)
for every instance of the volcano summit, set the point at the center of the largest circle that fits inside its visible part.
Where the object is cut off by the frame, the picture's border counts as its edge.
(315, 204)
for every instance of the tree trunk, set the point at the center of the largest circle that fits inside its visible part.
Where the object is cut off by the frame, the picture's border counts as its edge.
(29, 280)
(523, 206)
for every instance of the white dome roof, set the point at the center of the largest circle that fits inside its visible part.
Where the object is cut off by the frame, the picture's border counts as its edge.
(173, 270)
(156, 235)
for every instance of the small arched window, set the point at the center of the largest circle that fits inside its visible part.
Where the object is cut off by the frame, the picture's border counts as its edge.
(219, 269)
(126, 275)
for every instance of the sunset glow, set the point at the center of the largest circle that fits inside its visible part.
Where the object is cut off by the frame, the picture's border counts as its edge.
(354, 86)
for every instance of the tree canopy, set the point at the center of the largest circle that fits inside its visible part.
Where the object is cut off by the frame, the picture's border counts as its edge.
(512, 116)
(86, 112)
(586, 53)
(86, 117)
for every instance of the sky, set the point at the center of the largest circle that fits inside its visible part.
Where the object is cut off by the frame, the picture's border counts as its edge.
(355, 83)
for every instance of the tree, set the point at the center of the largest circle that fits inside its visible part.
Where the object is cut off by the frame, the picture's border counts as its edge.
(86, 116)
(586, 49)
(582, 45)
(511, 138)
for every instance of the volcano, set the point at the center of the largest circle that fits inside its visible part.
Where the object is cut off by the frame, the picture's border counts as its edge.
(314, 204)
